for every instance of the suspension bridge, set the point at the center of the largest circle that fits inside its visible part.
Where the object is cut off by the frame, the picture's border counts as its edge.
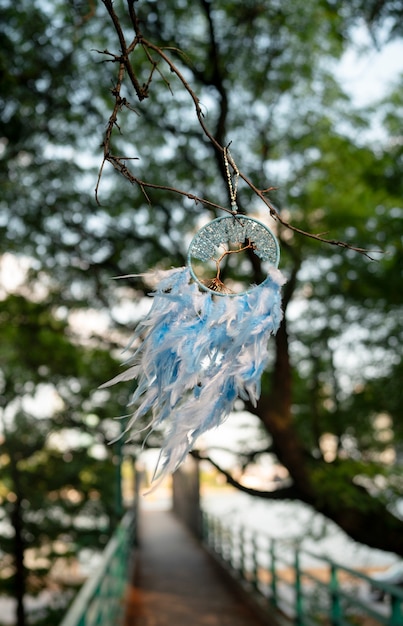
(184, 567)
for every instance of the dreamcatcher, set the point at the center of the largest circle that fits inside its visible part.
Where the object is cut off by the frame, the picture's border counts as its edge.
(204, 342)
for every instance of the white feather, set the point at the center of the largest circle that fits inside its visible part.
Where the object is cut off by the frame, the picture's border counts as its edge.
(197, 353)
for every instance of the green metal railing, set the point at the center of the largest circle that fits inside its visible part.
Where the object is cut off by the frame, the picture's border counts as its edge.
(306, 588)
(100, 602)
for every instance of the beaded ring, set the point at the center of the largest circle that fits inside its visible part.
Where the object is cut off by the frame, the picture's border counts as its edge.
(230, 235)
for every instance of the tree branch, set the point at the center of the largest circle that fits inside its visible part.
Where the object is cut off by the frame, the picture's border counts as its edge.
(283, 493)
(140, 91)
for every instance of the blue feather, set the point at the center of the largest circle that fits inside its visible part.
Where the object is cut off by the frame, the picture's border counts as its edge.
(197, 353)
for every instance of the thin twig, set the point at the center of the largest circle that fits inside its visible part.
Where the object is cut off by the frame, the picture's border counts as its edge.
(190, 91)
(155, 68)
(141, 93)
(133, 18)
(119, 165)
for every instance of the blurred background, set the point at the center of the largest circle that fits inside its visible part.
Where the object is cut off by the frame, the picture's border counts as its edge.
(309, 93)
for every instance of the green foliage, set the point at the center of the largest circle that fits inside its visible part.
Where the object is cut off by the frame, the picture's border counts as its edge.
(58, 476)
(334, 484)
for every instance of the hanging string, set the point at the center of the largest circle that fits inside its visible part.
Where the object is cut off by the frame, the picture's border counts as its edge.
(233, 188)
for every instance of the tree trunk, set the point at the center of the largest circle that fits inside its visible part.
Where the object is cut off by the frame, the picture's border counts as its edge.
(274, 409)
(19, 548)
(367, 520)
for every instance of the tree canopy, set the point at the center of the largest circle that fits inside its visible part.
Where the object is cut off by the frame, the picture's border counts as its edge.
(164, 87)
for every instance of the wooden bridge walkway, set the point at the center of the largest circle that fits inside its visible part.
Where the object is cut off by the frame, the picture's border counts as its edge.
(176, 583)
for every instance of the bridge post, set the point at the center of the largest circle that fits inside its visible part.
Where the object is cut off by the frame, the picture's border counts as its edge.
(186, 495)
(299, 613)
(335, 606)
(273, 572)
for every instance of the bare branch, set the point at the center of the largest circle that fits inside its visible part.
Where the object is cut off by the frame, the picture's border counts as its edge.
(119, 163)
(133, 17)
(190, 91)
(140, 91)
(155, 67)
(282, 493)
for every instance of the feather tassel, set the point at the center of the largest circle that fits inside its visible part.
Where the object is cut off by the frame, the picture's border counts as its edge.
(197, 353)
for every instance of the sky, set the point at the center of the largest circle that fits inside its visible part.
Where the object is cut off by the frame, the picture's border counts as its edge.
(366, 75)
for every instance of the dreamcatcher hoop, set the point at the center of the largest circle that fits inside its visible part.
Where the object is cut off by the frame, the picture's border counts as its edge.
(222, 234)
